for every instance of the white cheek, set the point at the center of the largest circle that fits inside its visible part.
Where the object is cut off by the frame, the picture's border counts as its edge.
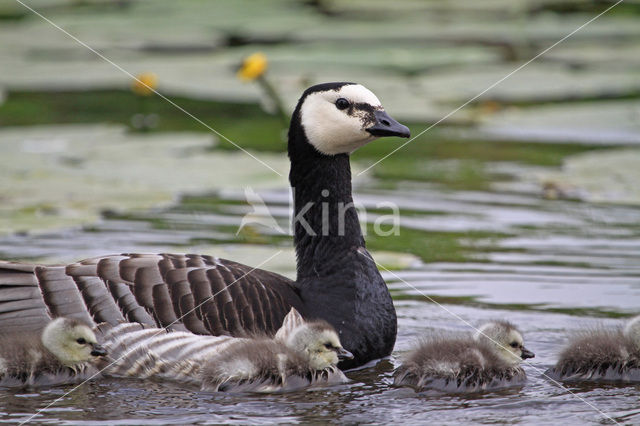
(330, 130)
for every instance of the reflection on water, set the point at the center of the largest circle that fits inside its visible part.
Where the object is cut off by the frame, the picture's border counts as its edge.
(551, 268)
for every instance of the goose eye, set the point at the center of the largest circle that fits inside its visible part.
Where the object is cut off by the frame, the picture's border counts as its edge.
(328, 345)
(514, 344)
(342, 103)
(81, 341)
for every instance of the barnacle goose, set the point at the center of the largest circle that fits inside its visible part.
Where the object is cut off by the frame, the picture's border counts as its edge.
(65, 351)
(459, 364)
(301, 354)
(601, 355)
(336, 279)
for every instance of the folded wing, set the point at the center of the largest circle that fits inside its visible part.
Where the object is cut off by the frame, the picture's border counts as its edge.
(196, 293)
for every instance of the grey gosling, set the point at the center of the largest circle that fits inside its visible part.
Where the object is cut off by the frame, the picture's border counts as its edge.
(488, 360)
(301, 354)
(601, 355)
(64, 352)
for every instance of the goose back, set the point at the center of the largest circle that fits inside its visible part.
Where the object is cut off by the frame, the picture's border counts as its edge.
(200, 294)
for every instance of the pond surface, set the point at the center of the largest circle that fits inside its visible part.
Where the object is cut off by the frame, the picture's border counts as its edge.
(550, 267)
(462, 257)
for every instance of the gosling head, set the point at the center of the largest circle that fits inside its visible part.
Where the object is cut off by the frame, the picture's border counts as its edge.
(506, 340)
(338, 118)
(320, 343)
(71, 341)
(632, 331)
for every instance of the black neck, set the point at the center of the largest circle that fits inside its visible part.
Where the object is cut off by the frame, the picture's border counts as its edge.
(327, 225)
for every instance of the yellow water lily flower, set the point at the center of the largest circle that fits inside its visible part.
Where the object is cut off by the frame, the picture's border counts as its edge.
(144, 84)
(252, 67)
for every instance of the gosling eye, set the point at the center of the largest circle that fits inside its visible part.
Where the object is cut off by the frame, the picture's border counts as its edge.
(342, 103)
(328, 346)
(81, 341)
(514, 344)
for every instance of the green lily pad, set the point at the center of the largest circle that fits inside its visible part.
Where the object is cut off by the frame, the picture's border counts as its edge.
(63, 175)
(602, 123)
(536, 83)
(598, 56)
(604, 177)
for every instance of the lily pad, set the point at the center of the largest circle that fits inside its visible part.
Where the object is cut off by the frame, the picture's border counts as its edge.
(599, 56)
(423, 59)
(603, 177)
(535, 83)
(602, 123)
(63, 175)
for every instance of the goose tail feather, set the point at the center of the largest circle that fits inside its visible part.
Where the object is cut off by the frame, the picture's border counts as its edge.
(22, 307)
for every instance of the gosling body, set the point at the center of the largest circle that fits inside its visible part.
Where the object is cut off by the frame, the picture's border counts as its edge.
(64, 352)
(264, 366)
(464, 364)
(302, 354)
(601, 355)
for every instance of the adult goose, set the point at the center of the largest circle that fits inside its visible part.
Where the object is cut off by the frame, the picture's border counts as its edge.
(336, 279)
(65, 351)
(462, 364)
(601, 355)
(301, 354)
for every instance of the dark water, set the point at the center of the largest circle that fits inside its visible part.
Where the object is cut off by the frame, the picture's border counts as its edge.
(558, 266)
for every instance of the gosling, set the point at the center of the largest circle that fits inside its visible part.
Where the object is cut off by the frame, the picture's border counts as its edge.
(300, 355)
(488, 360)
(65, 352)
(601, 355)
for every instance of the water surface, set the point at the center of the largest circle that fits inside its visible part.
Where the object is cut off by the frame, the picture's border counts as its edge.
(550, 267)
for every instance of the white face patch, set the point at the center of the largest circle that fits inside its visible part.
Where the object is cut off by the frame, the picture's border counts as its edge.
(334, 131)
(501, 337)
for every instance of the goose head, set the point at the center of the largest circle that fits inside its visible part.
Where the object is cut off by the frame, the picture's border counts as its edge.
(71, 341)
(506, 341)
(320, 343)
(338, 118)
(632, 331)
